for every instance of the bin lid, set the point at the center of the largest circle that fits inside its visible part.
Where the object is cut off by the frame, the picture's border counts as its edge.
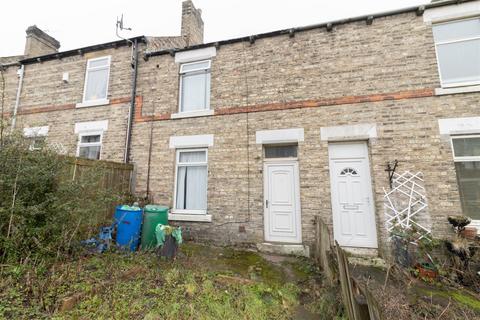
(156, 208)
(130, 208)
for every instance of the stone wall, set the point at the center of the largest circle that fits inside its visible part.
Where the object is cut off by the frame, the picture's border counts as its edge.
(384, 73)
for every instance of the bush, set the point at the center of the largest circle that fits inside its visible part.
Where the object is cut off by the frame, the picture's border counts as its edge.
(43, 210)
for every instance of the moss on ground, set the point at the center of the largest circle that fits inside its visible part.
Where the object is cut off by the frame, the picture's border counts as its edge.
(461, 297)
(142, 286)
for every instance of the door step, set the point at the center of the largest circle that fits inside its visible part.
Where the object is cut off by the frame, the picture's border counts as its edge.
(361, 252)
(284, 249)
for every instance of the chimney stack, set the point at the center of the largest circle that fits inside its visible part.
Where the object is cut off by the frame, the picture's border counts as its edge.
(39, 43)
(192, 24)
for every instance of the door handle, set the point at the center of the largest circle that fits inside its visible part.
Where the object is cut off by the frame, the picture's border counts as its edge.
(266, 203)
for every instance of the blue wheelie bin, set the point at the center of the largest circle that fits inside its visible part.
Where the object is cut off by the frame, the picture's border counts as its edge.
(129, 223)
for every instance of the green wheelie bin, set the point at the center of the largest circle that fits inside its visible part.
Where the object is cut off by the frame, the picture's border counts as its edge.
(152, 216)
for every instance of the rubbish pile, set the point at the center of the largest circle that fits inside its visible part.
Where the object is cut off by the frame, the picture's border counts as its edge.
(136, 227)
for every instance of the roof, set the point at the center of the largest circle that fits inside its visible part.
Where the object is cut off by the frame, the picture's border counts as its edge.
(69, 53)
(419, 10)
(159, 44)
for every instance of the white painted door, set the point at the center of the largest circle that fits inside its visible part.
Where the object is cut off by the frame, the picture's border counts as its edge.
(351, 190)
(282, 202)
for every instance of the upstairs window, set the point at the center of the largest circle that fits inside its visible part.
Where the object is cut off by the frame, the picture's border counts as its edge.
(466, 152)
(96, 79)
(191, 181)
(195, 86)
(90, 145)
(458, 52)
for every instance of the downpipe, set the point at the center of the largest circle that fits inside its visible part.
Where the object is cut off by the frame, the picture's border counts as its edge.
(131, 111)
(20, 73)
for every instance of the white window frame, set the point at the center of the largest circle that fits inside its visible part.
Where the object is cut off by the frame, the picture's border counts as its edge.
(96, 102)
(90, 144)
(464, 159)
(33, 133)
(202, 112)
(189, 164)
(474, 223)
(32, 139)
(459, 84)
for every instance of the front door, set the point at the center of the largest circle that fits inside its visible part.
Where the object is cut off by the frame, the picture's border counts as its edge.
(282, 202)
(351, 191)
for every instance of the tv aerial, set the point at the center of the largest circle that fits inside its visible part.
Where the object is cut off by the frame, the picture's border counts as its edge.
(121, 27)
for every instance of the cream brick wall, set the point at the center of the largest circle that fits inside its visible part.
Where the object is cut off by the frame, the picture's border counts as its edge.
(395, 54)
(407, 131)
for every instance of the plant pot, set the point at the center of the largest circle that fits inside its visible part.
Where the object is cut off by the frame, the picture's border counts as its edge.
(426, 271)
(469, 233)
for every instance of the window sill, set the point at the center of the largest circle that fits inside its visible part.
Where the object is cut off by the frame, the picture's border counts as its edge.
(94, 103)
(190, 217)
(193, 114)
(455, 90)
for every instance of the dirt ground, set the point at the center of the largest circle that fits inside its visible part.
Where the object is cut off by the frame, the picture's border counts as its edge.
(202, 283)
(403, 297)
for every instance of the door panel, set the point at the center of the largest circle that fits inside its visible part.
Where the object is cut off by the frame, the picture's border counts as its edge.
(282, 202)
(351, 192)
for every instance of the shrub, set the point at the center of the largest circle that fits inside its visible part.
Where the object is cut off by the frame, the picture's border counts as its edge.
(44, 211)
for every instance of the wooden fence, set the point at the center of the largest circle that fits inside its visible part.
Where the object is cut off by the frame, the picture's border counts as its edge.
(116, 176)
(113, 176)
(359, 301)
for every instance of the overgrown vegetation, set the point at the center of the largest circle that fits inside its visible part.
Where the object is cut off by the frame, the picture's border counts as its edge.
(203, 283)
(44, 211)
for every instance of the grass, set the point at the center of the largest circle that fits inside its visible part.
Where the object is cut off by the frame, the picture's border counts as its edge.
(203, 283)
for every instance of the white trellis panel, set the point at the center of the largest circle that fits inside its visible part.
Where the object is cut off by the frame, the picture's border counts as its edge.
(406, 204)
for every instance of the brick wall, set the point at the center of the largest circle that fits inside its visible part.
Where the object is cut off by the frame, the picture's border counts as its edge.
(383, 73)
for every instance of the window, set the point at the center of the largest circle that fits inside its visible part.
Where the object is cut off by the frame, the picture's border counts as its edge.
(36, 137)
(90, 145)
(458, 52)
(36, 142)
(466, 152)
(191, 181)
(272, 152)
(195, 86)
(96, 79)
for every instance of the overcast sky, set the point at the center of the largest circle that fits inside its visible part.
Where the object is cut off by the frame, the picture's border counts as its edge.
(82, 23)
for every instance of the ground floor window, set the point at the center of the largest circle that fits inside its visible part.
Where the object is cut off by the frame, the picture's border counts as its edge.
(466, 152)
(36, 143)
(89, 145)
(191, 181)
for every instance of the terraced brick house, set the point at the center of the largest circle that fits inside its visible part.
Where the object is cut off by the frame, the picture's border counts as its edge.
(248, 139)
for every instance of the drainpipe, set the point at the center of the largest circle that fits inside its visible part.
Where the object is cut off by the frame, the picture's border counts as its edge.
(131, 111)
(20, 73)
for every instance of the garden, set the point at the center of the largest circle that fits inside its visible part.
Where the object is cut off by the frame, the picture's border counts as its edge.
(48, 208)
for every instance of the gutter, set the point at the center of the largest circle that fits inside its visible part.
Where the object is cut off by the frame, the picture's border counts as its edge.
(131, 111)
(419, 10)
(20, 72)
(81, 51)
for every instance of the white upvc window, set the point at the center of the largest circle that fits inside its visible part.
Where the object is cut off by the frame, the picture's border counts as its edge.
(96, 81)
(37, 143)
(191, 176)
(457, 45)
(195, 86)
(90, 145)
(466, 153)
(36, 137)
